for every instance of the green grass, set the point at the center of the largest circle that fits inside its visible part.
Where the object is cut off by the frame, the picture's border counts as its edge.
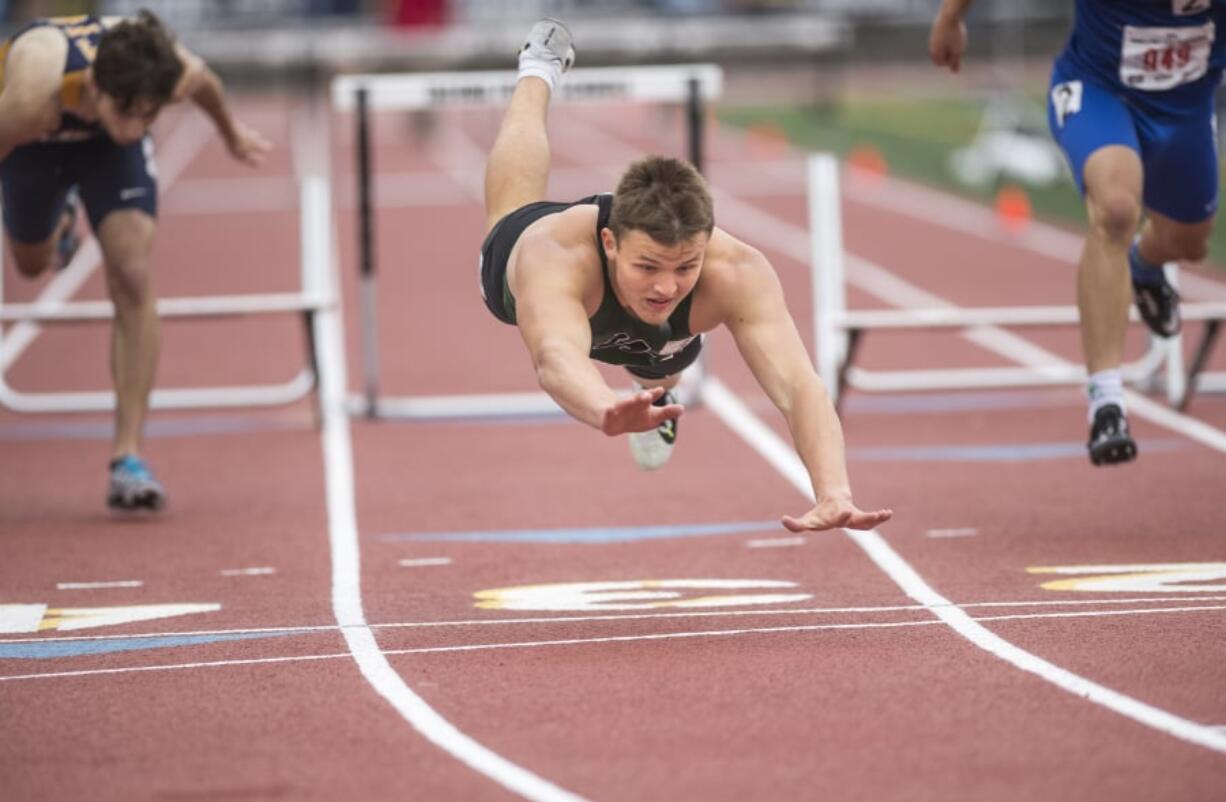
(917, 139)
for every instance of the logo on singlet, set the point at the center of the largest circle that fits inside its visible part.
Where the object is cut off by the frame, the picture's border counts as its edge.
(623, 342)
(1182, 8)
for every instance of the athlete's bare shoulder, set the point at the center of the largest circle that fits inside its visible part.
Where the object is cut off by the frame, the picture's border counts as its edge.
(732, 272)
(33, 72)
(564, 246)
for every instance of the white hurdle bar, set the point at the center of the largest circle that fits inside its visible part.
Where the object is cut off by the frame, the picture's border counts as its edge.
(691, 84)
(307, 302)
(837, 330)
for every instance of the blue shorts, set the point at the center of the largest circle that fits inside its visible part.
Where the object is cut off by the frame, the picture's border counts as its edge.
(36, 179)
(1178, 154)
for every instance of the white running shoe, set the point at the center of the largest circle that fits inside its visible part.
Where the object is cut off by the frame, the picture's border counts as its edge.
(652, 449)
(549, 41)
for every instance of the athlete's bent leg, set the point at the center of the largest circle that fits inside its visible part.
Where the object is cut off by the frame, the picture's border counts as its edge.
(126, 238)
(517, 172)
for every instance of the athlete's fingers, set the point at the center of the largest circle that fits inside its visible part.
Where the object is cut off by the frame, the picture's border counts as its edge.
(869, 520)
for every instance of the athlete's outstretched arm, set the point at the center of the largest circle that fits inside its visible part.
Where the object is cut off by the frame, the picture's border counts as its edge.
(554, 325)
(757, 316)
(947, 40)
(204, 88)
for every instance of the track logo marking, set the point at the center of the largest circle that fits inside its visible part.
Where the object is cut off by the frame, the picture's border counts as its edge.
(1139, 578)
(39, 618)
(642, 594)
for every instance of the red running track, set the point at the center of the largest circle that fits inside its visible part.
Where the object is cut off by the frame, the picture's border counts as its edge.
(734, 663)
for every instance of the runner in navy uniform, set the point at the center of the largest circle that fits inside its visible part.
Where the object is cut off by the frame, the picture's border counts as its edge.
(1131, 106)
(635, 278)
(77, 97)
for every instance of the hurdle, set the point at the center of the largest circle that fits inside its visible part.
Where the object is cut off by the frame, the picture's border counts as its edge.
(305, 302)
(838, 331)
(691, 85)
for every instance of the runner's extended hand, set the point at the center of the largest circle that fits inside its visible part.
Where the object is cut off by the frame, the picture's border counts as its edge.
(248, 145)
(833, 512)
(636, 413)
(947, 42)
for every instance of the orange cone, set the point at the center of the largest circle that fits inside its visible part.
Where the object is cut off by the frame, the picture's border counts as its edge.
(766, 140)
(1013, 208)
(866, 161)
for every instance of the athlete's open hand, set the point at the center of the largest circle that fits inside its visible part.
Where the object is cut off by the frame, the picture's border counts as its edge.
(833, 512)
(636, 413)
(248, 145)
(947, 41)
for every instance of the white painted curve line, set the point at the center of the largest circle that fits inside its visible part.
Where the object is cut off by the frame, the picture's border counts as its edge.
(775, 543)
(421, 562)
(346, 573)
(261, 571)
(760, 437)
(119, 583)
(655, 636)
(968, 531)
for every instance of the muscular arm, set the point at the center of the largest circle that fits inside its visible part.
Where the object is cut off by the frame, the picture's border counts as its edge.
(29, 102)
(552, 320)
(203, 87)
(766, 336)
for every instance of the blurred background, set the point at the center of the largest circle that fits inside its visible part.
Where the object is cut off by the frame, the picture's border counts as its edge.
(850, 76)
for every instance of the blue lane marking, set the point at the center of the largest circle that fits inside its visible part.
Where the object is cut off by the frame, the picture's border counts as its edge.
(1010, 452)
(74, 648)
(613, 534)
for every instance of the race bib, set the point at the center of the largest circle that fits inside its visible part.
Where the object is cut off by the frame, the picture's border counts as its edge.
(1155, 59)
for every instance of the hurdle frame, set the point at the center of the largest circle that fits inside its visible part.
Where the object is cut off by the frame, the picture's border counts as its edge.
(306, 302)
(689, 84)
(838, 332)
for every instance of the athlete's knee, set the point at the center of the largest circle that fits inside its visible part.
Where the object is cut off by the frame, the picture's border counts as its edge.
(1114, 214)
(129, 282)
(1190, 242)
(31, 260)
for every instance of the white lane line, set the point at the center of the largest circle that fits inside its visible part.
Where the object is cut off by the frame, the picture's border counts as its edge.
(738, 418)
(658, 636)
(119, 583)
(260, 571)
(343, 545)
(189, 135)
(775, 543)
(587, 619)
(421, 562)
(968, 531)
(967, 217)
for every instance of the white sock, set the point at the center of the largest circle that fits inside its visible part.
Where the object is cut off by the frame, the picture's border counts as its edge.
(1105, 387)
(548, 70)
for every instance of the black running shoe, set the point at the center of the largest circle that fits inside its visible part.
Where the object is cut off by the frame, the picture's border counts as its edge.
(1159, 306)
(1110, 440)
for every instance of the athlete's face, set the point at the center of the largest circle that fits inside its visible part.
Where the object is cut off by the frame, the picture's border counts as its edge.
(125, 127)
(651, 278)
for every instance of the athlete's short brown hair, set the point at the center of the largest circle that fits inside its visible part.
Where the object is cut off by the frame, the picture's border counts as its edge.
(666, 199)
(136, 63)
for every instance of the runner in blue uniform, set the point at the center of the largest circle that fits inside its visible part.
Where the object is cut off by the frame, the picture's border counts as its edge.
(1131, 105)
(77, 97)
(634, 279)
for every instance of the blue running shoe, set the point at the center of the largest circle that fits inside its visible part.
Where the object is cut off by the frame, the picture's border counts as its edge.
(69, 241)
(133, 486)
